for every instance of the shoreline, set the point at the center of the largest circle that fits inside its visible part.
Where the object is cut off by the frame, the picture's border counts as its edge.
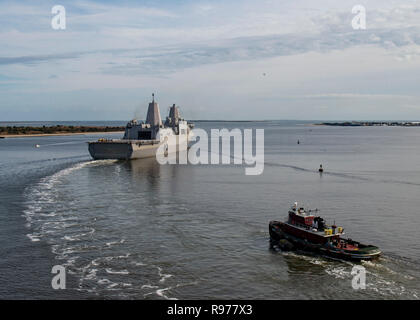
(370, 124)
(31, 135)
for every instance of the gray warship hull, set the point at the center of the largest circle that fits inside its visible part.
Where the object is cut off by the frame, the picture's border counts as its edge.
(128, 150)
(122, 150)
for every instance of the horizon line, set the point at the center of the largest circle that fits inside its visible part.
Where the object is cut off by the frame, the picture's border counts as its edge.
(233, 120)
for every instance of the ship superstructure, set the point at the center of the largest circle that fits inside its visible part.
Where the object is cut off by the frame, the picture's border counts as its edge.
(142, 139)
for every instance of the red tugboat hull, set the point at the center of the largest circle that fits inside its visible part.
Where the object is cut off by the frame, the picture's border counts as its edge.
(333, 245)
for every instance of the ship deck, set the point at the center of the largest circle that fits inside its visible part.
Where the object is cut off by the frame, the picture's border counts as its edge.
(127, 141)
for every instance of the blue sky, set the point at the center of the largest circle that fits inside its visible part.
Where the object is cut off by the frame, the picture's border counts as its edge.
(216, 59)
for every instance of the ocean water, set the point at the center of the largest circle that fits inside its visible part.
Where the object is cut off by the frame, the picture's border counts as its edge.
(140, 230)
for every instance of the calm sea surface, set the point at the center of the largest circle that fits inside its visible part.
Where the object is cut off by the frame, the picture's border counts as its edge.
(139, 230)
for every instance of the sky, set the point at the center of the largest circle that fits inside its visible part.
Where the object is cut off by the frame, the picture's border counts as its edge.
(226, 60)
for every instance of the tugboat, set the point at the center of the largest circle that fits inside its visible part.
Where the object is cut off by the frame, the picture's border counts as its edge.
(307, 232)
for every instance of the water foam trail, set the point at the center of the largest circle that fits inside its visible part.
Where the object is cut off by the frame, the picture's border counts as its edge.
(160, 293)
(110, 271)
(331, 173)
(296, 168)
(111, 243)
(340, 174)
(42, 192)
(163, 276)
(380, 278)
(50, 221)
(104, 281)
(33, 238)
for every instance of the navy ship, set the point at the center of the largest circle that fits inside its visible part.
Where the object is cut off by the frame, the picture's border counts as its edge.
(143, 139)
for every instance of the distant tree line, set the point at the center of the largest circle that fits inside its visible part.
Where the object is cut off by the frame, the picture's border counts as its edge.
(16, 130)
(372, 123)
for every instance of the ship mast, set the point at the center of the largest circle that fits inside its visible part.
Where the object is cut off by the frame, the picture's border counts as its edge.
(153, 117)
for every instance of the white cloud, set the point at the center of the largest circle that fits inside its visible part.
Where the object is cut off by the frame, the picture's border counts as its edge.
(216, 52)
